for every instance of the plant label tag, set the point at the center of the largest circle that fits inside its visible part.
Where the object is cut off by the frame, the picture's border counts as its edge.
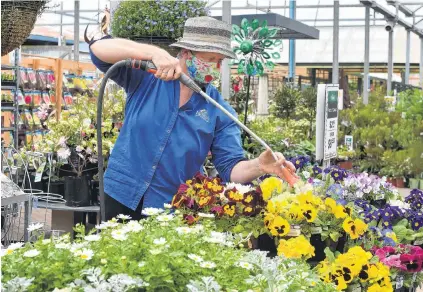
(380, 197)
(294, 232)
(316, 230)
(414, 278)
(14, 169)
(39, 172)
(35, 202)
(399, 282)
(418, 241)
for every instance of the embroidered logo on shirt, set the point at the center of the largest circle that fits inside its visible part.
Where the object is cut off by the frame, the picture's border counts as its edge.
(203, 114)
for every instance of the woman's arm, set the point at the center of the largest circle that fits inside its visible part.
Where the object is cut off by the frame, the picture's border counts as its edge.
(114, 50)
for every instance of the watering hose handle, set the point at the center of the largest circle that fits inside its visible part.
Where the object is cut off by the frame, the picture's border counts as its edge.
(149, 67)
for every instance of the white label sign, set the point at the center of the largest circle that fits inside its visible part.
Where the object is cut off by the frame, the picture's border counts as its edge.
(349, 140)
(331, 122)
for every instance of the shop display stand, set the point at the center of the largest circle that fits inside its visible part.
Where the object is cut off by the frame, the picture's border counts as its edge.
(15, 107)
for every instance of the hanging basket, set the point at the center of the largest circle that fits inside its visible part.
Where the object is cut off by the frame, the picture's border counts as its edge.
(17, 21)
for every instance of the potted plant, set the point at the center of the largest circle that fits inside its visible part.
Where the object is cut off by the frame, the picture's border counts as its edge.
(345, 157)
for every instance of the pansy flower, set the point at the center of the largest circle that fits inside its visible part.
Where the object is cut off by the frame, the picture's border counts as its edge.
(229, 209)
(190, 219)
(279, 226)
(309, 213)
(217, 210)
(179, 200)
(412, 262)
(354, 228)
(206, 201)
(250, 210)
(317, 170)
(233, 195)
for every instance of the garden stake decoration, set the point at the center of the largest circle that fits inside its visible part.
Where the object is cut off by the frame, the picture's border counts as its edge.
(254, 48)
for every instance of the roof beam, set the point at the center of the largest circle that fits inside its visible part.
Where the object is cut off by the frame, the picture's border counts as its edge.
(261, 8)
(401, 7)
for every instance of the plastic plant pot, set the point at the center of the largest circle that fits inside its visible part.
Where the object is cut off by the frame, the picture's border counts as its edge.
(414, 183)
(77, 191)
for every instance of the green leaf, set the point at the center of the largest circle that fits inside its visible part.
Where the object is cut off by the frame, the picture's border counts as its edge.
(250, 69)
(403, 222)
(263, 32)
(267, 43)
(240, 68)
(266, 55)
(329, 254)
(273, 32)
(276, 55)
(334, 236)
(255, 24)
(264, 23)
(270, 65)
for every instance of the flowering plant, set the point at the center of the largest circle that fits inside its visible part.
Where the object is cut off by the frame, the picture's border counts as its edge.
(355, 266)
(236, 207)
(368, 187)
(415, 199)
(159, 253)
(313, 214)
(405, 261)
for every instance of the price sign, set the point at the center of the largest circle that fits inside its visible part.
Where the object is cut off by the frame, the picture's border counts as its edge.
(331, 123)
(349, 142)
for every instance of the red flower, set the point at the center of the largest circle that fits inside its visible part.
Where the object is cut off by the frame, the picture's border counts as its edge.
(208, 78)
(217, 210)
(179, 200)
(205, 201)
(236, 87)
(412, 263)
(190, 219)
(250, 211)
(183, 189)
(229, 209)
(233, 195)
(28, 99)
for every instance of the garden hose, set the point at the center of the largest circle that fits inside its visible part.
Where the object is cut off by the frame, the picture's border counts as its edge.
(149, 66)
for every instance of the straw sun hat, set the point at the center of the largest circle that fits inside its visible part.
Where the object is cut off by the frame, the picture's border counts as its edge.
(206, 34)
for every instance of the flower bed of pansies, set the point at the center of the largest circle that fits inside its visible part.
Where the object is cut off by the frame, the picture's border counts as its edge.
(160, 253)
(354, 230)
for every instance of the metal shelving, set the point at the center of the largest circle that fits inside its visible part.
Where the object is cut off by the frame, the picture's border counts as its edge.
(8, 87)
(9, 129)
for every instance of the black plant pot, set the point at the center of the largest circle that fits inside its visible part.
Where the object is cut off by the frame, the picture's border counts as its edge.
(378, 203)
(94, 192)
(31, 184)
(56, 187)
(404, 289)
(319, 248)
(77, 191)
(267, 243)
(340, 245)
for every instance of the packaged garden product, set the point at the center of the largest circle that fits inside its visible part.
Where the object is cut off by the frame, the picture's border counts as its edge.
(36, 95)
(50, 79)
(67, 97)
(46, 97)
(41, 79)
(28, 98)
(32, 78)
(35, 118)
(20, 98)
(24, 77)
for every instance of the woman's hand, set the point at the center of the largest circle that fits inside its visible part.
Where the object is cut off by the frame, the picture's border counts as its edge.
(267, 164)
(168, 67)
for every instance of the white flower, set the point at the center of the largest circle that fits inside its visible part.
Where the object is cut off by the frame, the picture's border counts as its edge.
(35, 226)
(85, 254)
(160, 241)
(123, 217)
(88, 151)
(119, 234)
(31, 253)
(62, 141)
(195, 258)
(133, 226)
(79, 148)
(206, 215)
(108, 224)
(63, 153)
(156, 251)
(165, 218)
(62, 245)
(239, 187)
(62, 290)
(398, 203)
(103, 261)
(151, 211)
(167, 206)
(92, 237)
(46, 241)
(184, 230)
(306, 174)
(11, 248)
(77, 246)
(141, 264)
(208, 265)
(245, 265)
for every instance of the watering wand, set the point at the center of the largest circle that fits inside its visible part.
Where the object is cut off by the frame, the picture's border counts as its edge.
(149, 66)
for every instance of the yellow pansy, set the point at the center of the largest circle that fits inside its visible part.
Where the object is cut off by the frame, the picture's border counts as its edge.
(337, 210)
(296, 248)
(309, 213)
(355, 228)
(279, 226)
(269, 186)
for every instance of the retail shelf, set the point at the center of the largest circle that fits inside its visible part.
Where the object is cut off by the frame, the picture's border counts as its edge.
(7, 108)
(8, 87)
(10, 129)
(7, 67)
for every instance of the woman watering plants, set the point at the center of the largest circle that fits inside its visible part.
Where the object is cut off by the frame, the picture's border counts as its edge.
(168, 129)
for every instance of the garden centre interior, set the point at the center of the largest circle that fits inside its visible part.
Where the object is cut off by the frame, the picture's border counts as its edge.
(294, 164)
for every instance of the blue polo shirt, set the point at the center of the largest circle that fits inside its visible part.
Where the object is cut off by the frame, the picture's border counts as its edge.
(161, 145)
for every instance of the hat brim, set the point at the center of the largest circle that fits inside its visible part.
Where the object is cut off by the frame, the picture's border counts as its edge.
(204, 47)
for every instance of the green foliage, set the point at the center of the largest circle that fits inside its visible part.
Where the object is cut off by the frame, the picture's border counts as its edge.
(286, 99)
(135, 19)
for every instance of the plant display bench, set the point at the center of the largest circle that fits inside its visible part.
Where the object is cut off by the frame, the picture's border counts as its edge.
(64, 217)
